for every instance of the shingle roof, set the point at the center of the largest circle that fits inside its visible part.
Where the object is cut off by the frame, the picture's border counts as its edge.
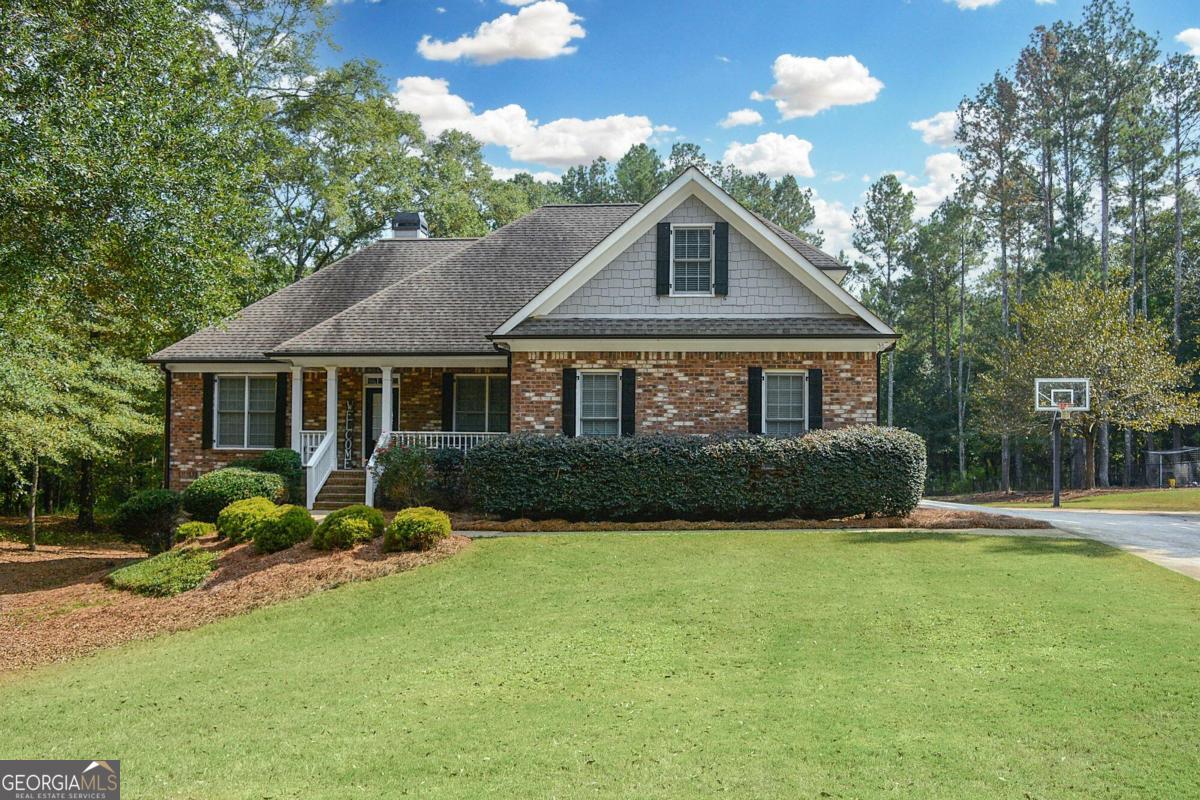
(818, 258)
(692, 327)
(453, 306)
(443, 295)
(260, 327)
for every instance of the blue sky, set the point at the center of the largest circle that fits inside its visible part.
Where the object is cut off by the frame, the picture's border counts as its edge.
(837, 84)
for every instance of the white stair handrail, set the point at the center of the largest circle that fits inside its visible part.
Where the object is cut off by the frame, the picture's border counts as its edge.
(379, 445)
(318, 468)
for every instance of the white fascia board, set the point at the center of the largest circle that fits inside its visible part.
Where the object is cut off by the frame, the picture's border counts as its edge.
(684, 345)
(692, 183)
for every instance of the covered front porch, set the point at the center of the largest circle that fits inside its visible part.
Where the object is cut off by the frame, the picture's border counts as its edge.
(346, 415)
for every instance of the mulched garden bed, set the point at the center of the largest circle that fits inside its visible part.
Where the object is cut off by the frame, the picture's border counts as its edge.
(936, 519)
(43, 625)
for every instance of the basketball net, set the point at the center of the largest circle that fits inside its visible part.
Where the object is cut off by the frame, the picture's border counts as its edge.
(1064, 409)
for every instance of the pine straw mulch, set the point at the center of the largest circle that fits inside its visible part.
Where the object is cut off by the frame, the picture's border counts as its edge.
(43, 625)
(929, 518)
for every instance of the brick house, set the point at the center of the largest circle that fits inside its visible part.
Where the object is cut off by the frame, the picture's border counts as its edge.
(687, 314)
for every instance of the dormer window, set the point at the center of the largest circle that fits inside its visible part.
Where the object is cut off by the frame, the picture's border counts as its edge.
(692, 260)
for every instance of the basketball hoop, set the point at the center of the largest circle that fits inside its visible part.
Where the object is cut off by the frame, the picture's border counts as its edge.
(1061, 396)
(1064, 409)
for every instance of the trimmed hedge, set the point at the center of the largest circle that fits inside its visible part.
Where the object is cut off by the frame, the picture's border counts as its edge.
(826, 474)
(282, 528)
(237, 520)
(418, 528)
(149, 518)
(207, 495)
(166, 574)
(285, 462)
(331, 533)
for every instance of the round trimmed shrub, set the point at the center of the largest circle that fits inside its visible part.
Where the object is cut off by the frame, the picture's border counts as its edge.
(205, 497)
(149, 518)
(237, 520)
(285, 462)
(284, 527)
(194, 530)
(418, 528)
(330, 535)
(342, 533)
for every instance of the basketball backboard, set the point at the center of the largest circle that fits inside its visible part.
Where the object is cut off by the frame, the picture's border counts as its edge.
(1062, 394)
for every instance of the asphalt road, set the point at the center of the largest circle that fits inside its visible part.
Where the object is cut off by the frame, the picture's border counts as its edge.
(1171, 540)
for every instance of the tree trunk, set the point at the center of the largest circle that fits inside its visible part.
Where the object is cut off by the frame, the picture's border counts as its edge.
(962, 326)
(1078, 457)
(1178, 296)
(1005, 465)
(1018, 471)
(1104, 214)
(31, 521)
(1089, 461)
(87, 495)
(1127, 470)
(1146, 462)
(1100, 465)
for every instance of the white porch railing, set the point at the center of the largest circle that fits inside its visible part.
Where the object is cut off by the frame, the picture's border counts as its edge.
(318, 468)
(309, 442)
(458, 440)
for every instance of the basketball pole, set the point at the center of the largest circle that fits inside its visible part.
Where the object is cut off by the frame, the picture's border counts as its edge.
(1056, 456)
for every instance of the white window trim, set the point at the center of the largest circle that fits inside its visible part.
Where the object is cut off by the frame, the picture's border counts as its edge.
(487, 378)
(579, 401)
(712, 259)
(767, 372)
(216, 412)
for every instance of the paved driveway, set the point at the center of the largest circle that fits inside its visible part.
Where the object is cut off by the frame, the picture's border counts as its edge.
(1171, 540)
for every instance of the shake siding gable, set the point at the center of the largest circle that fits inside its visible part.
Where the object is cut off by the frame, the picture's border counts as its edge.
(628, 285)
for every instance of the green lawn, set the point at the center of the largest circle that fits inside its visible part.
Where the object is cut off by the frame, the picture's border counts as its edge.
(828, 664)
(1140, 500)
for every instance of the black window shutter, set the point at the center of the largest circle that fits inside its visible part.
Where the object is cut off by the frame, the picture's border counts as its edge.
(447, 401)
(568, 401)
(662, 282)
(281, 403)
(721, 259)
(206, 413)
(754, 386)
(816, 399)
(628, 401)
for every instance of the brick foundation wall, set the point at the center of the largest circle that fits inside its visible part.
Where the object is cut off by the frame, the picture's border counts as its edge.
(691, 392)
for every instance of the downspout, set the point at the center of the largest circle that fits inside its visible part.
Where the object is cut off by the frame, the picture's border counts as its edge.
(166, 428)
(508, 356)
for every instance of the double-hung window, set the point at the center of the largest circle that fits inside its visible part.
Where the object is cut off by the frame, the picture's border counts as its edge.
(599, 404)
(692, 259)
(245, 410)
(785, 403)
(481, 403)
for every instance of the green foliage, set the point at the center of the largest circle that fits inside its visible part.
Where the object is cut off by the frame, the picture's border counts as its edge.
(285, 463)
(324, 538)
(194, 529)
(446, 490)
(236, 521)
(166, 574)
(824, 474)
(418, 528)
(343, 533)
(207, 495)
(402, 475)
(281, 528)
(149, 518)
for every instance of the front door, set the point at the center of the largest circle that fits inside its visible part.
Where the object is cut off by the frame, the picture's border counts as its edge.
(373, 421)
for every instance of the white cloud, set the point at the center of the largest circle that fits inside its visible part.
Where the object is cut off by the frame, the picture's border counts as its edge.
(806, 86)
(971, 5)
(440, 9)
(1191, 38)
(743, 116)
(516, 2)
(836, 222)
(215, 24)
(940, 129)
(561, 142)
(942, 173)
(837, 177)
(1045, 2)
(544, 29)
(505, 173)
(773, 154)
(724, 59)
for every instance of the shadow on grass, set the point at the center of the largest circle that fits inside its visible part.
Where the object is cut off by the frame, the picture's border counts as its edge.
(1024, 545)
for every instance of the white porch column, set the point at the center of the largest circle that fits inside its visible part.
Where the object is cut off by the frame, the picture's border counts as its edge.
(297, 407)
(385, 402)
(331, 401)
